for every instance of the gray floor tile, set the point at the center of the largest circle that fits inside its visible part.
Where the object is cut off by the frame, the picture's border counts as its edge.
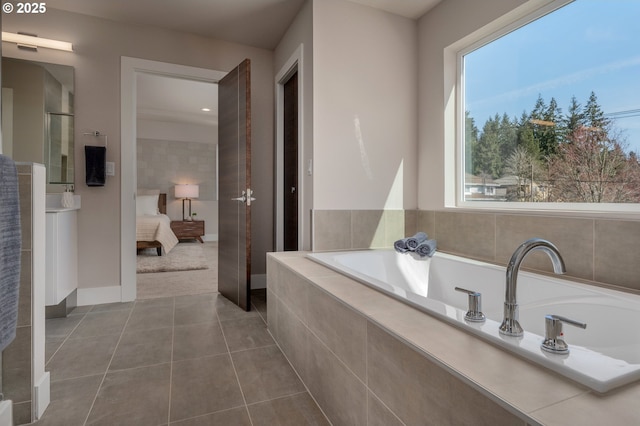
(143, 348)
(265, 374)
(296, 410)
(82, 357)
(203, 386)
(51, 345)
(138, 396)
(194, 311)
(117, 306)
(198, 340)
(100, 324)
(246, 333)
(62, 327)
(70, 401)
(149, 317)
(235, 417)
(227, 310)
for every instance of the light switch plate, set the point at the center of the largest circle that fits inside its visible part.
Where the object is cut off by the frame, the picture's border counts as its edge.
(110, 168)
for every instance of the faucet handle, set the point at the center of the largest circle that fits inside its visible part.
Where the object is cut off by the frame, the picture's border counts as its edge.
(553, 341)
(474, 314)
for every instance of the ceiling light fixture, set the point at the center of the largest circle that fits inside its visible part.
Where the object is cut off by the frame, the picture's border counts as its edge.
(32, 42)
(206, 109)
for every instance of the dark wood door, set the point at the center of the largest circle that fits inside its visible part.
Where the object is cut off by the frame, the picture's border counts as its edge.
(234, 186)
(291, 164)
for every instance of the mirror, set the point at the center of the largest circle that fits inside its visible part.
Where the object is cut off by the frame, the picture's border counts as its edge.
(37, 116)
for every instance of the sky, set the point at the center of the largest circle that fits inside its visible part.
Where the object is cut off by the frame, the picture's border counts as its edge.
(585, 46)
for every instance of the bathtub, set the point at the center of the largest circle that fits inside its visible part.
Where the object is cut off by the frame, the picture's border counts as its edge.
(603, 356)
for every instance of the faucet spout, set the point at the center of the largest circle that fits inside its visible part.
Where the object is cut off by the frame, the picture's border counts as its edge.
(510, 325)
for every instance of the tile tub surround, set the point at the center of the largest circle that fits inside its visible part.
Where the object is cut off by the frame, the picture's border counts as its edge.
(596, 251)
(369, 359)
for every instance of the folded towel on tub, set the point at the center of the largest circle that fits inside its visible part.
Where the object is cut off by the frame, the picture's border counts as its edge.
(426, 248)
(10, 244)
(401, 246)
(416, 240)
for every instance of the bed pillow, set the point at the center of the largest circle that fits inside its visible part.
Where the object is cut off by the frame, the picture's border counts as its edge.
(146, 205)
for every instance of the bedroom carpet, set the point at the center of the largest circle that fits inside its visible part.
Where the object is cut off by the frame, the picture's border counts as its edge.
(182, 283)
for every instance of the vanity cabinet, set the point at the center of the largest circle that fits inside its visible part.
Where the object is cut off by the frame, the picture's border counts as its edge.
(61, 255)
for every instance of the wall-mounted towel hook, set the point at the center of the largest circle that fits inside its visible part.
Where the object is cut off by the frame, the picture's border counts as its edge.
(97, 134)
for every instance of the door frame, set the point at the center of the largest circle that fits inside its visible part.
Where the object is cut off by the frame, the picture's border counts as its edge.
(293, 64)
(129, 69)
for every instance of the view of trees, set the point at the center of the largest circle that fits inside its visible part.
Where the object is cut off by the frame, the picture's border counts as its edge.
(551, 156)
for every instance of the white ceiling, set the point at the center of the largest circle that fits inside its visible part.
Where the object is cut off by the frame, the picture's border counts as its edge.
(259, 23)
(177, 100)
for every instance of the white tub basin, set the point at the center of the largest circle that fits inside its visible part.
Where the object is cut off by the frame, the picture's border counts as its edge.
(603, 356)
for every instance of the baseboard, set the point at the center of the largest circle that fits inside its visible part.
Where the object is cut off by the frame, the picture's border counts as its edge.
(6, 413)
(258, 281)
(210, 237)
(99, 295)
(42, 395)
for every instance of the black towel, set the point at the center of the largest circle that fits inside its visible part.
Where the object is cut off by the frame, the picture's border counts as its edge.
(10, 244)
(95, 158)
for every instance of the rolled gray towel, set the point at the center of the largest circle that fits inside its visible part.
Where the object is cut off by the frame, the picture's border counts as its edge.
(426, 248)
(416, 240)
(401, 246)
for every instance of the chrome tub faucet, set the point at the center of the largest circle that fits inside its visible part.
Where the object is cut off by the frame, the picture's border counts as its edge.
(510, 325)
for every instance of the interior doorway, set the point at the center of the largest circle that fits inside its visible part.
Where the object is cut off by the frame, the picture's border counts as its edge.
(131, 68)
(293, 169)
(176, 140)
(290, 162)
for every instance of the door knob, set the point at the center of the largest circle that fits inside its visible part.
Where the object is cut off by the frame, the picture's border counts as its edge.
(242, 198)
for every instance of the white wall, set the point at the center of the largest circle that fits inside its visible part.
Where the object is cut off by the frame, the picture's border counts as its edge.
(365, 107)
(99, 45)
(438, 29)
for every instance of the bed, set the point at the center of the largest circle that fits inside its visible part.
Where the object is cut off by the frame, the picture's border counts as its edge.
(153, 226)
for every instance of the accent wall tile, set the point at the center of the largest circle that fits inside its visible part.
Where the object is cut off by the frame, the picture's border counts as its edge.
(379, 414)
(616, 258)
(413, 394)
(367, 229)
(394, 226)
(24, 292)
(272, 313)
(332, 230)
(425, 222)
(340, 328)
(410, 222)
(293, 338)
(572, 236)
(337, 390)
(469, 234)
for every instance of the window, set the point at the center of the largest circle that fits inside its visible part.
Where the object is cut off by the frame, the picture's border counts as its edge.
(551, 110)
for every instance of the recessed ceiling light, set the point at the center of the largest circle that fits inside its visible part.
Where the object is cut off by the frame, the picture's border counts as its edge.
(206, 109)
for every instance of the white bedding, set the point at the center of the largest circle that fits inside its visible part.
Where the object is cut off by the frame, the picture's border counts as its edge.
(156, 228)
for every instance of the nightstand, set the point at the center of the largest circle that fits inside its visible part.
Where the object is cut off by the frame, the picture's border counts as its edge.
(188, 229)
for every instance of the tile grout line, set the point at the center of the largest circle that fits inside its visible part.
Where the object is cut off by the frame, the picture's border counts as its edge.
(115, 349)
(233, 365)
(65, 339)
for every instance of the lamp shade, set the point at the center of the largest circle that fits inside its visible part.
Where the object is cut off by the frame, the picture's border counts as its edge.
(187, 191)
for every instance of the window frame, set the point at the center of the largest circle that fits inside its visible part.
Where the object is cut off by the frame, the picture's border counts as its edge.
(489, 33)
